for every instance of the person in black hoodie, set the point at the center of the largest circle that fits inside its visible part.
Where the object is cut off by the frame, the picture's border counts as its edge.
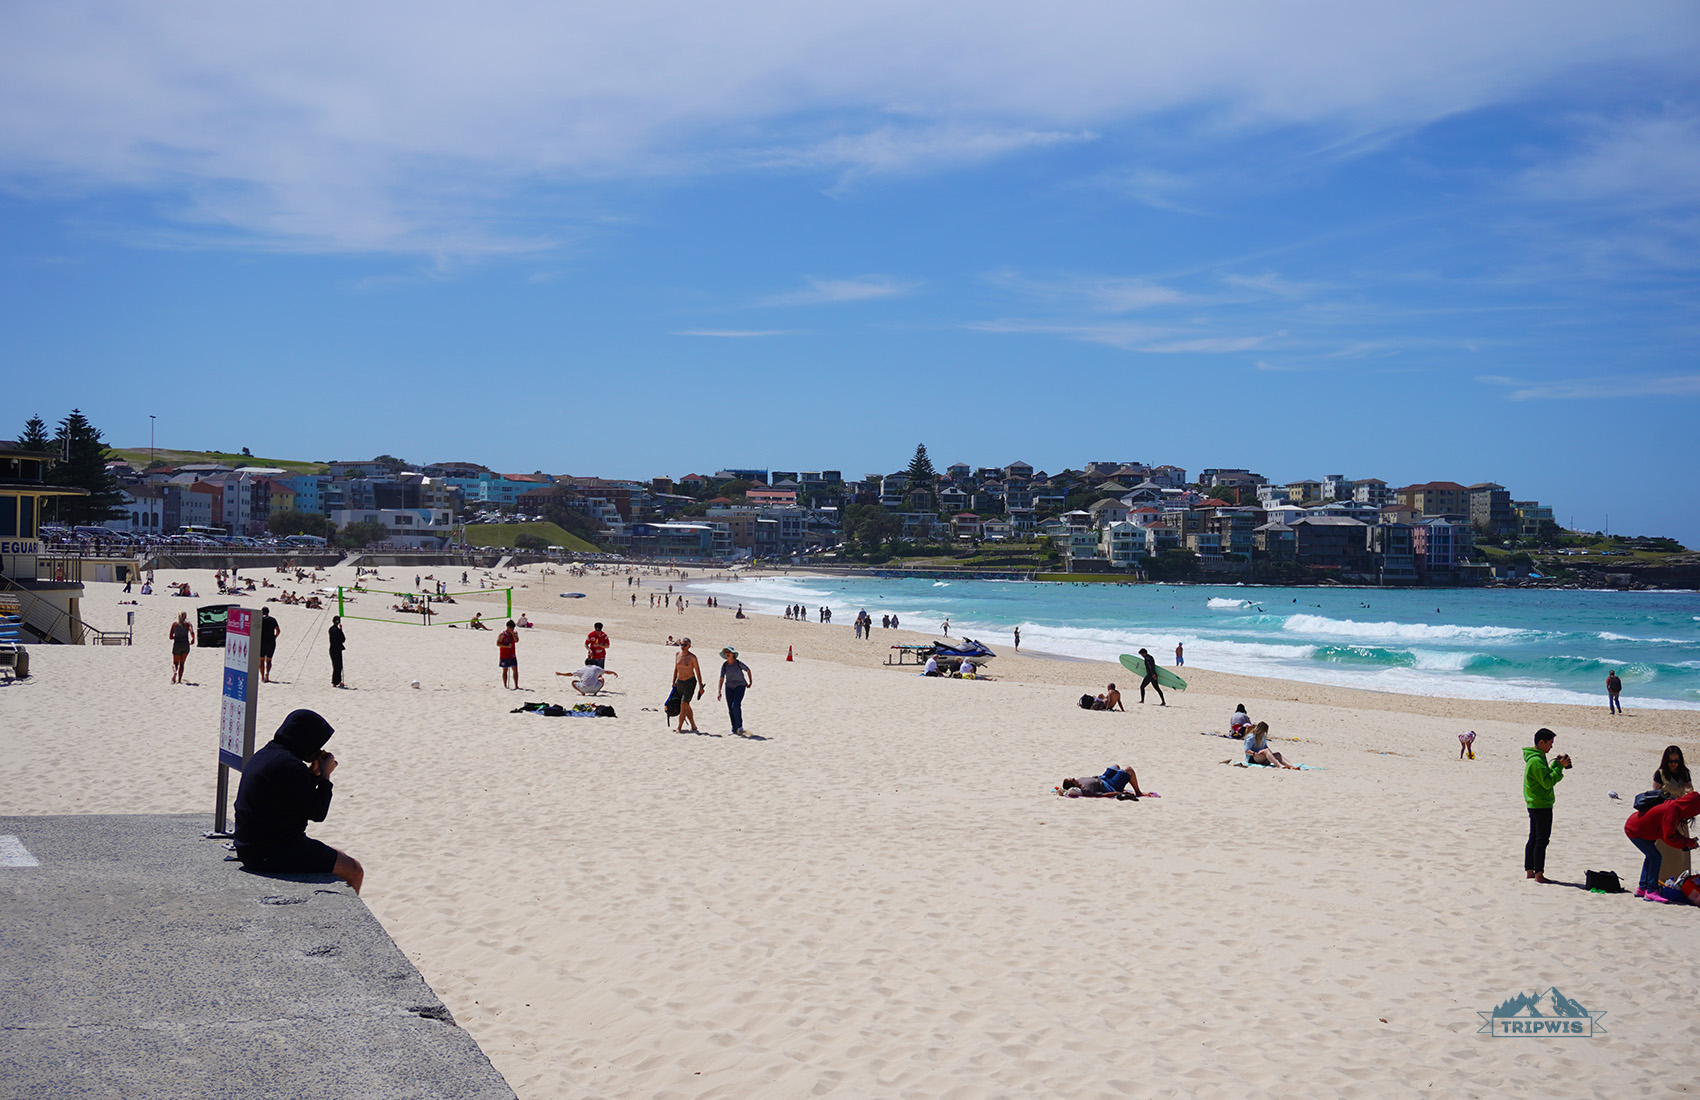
(285, 785)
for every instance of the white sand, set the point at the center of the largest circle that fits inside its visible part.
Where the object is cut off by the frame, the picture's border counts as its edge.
(878, 894)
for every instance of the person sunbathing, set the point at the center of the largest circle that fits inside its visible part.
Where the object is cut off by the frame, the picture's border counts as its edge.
(1239, 721)
(1257, 750)
(1115, 781)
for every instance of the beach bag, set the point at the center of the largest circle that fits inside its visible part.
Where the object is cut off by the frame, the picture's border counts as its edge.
(1086, 702)
(1646, 800)
(672, 704)
(1691, 888)
(1675, 893)
(605, 712)
(1604, 881)
(554, 710)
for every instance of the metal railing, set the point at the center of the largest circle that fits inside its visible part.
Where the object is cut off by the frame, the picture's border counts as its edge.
(46, 618)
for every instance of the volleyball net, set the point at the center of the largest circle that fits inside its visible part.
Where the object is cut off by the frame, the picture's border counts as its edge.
(421, 608)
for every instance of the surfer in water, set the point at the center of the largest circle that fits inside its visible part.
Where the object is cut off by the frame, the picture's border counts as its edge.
(1151, 679)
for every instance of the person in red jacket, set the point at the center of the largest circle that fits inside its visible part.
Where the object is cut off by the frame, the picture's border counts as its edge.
(1645, 828)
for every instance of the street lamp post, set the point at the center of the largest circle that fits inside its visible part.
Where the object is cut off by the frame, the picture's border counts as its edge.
(153, 457)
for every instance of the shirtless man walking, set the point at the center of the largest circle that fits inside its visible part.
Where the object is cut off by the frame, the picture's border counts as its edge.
(687, 678)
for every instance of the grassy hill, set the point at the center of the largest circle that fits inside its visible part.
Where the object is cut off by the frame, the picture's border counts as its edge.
(504, 534)
(140, 456)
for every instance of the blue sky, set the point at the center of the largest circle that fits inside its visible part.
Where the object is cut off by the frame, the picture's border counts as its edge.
(1437, 241)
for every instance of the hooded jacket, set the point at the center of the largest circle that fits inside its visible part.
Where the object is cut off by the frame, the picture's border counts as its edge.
(279, 794)
(1664, 821)
(1540, 776)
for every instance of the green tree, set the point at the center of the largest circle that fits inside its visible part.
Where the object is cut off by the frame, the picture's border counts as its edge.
(82, 465)
(35, 437)
(573, 521)
(921, 474)
(290, 522)
(362, 534)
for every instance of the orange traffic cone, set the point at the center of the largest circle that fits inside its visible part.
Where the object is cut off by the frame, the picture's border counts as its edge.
(787, 653)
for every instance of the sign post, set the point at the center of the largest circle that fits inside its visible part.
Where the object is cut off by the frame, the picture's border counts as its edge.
(237, 707)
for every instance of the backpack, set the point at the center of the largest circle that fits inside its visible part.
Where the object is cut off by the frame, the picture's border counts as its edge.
(1606, 882)
(672, 705)
(1646, 800)
(605, 712)
(1086, 702)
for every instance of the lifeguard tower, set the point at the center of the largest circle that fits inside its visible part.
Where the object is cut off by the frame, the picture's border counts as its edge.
(49, 605)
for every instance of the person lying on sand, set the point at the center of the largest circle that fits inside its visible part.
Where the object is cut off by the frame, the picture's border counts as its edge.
(1115, 780)
(1257, 750)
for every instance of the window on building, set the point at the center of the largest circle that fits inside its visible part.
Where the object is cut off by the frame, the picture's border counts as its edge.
(8, 516)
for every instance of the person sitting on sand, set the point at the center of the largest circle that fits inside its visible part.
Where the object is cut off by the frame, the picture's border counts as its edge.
(932, 668)
(523, 621)
(477, 622)
(1239, 721)
(1115, 780)
(285, 785)
(1110, 700)
(1257, 750)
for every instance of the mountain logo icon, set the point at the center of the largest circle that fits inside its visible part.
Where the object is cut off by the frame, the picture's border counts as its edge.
(1548, 1013)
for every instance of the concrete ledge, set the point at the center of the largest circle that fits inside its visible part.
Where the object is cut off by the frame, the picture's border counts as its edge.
(135, 961)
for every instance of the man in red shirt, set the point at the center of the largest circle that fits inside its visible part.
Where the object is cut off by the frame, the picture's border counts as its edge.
(505, 656)
(596, 648)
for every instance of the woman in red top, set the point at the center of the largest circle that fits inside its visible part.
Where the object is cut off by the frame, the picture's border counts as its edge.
(1645, 828)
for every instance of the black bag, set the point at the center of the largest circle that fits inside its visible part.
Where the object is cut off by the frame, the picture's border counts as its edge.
(555, 710)
(1646, 800)
(1086, 702)
(605, 712)
(1604, 881)
(672, 705)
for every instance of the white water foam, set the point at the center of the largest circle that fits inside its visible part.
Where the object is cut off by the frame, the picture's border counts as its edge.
(1219, 604)
(1402, 632)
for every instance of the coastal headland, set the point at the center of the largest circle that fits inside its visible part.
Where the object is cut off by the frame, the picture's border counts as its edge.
(877, 892)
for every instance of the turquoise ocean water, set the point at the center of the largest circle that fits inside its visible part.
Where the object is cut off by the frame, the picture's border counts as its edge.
(1532, 645)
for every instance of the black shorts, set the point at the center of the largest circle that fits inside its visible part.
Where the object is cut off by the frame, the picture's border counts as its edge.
(599, 662)
(303, 856)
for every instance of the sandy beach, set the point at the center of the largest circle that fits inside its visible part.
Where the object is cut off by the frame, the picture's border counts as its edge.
(876, 893)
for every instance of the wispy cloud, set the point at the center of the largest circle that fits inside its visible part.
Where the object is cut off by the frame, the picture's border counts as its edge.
(736, 333)
(1593, 389)
(1100, 294)
(1643, 160)
(862, 288)
(1129, 337)
(314, 127)
(892, 149)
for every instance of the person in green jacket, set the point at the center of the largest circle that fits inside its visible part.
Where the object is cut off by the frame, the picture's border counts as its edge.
(1539, 778)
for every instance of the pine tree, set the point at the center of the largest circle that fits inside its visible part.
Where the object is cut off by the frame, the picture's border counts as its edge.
(921, 473)
(82, 464)
(35, 437)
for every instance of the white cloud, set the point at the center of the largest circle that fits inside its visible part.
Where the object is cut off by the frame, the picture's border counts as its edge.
(1593, 389)
(865, 288)
(438, 128)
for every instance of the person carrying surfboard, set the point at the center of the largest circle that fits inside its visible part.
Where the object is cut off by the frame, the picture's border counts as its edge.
(1151, 679)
